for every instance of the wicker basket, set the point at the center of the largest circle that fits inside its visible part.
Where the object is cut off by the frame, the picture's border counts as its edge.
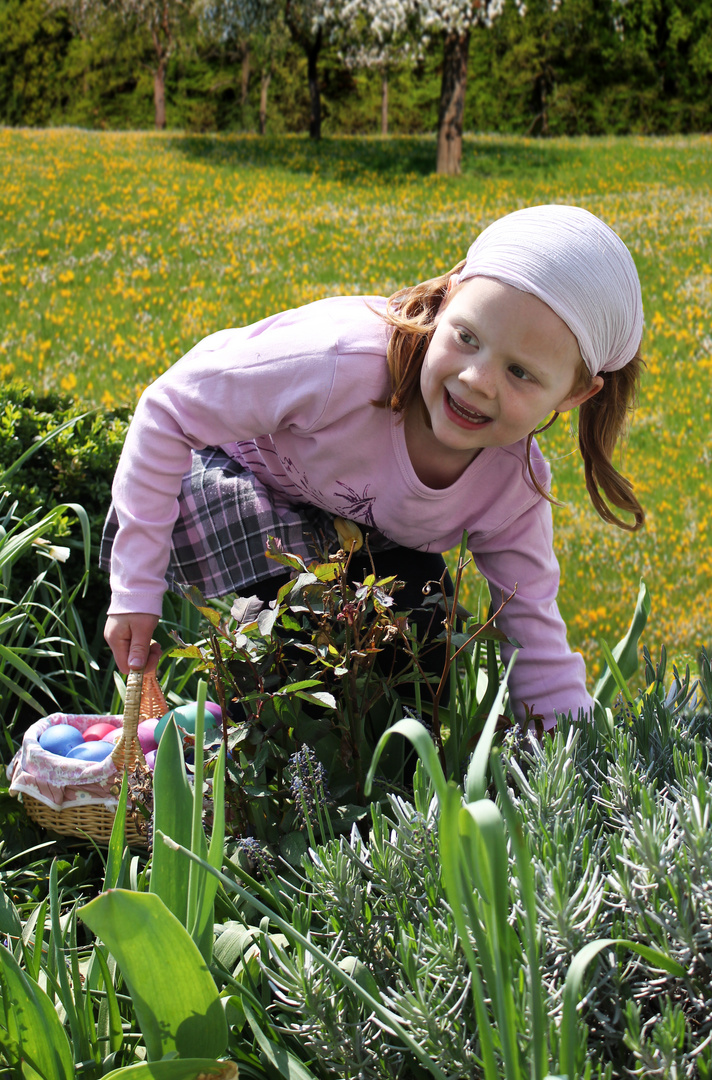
(144, 701)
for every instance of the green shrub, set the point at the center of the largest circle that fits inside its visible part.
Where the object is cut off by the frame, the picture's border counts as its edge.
(76, 466)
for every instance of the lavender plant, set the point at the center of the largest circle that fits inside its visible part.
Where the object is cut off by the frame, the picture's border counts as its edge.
(616, 825)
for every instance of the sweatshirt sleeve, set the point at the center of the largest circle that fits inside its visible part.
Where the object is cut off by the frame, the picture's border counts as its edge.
(547, 676)
(233, 386)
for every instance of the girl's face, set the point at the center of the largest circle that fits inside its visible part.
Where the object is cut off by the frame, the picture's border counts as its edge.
(500, 361)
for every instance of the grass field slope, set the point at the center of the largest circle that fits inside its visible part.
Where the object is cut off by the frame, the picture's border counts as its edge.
(120, 251)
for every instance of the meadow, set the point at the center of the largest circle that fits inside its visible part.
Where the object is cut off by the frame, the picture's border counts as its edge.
(119, 251)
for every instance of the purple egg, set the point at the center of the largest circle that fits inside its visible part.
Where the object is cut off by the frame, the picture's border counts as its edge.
(60, 739)
(151, 759)
(91, 751)
(145, 732)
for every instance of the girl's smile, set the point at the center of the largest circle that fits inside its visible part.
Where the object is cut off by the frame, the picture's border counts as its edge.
(499, 362)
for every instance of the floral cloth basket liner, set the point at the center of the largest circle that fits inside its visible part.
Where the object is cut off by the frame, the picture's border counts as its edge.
(59, 781)
(62, 783)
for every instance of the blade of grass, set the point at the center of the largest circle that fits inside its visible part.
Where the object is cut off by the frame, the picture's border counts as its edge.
(539, 1049)
(476, 779)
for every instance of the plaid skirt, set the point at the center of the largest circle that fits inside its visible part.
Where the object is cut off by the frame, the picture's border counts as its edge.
(225, 517)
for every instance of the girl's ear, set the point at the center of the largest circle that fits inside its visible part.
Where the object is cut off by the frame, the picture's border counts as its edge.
(579, 396)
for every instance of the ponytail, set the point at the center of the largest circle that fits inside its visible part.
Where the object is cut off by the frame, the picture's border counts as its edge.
(602, 420)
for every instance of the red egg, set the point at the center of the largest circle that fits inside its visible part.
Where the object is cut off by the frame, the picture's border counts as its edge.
(98, 732)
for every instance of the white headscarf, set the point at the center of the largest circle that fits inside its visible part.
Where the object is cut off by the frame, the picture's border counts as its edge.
(577, 265)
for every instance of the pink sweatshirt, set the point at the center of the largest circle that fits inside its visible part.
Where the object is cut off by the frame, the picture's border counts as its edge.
(290, 398)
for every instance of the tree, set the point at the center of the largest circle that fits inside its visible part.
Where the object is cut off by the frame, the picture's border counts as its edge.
(454, 20)
(311, 23)
(257, 31)
(163, 19)
(380, 34)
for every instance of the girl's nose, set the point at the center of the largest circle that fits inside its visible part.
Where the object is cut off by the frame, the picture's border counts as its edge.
(479, 376)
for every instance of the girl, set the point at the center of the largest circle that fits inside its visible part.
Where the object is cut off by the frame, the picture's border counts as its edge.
(414, 417)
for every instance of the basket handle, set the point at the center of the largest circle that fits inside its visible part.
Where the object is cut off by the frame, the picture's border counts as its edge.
(127, 751)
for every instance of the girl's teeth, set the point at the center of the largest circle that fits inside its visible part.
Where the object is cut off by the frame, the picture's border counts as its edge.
(465, 413)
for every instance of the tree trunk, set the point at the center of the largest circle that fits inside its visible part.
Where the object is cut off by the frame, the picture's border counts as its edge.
(245, 75)
(452, 103)
(312, 48)
(162, 47)
(314, 91)
(384, 102)
(159, 93)
(264, 86)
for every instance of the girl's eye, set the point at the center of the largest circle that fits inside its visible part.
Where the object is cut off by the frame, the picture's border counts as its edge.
(467, 338)
(518, 372)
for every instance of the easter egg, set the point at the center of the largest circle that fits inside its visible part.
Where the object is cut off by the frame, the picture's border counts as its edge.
(98, 731)
(60, 739)
(146, 738)
(151, 759)
(185, 716)
(91, 751)
(114, 735)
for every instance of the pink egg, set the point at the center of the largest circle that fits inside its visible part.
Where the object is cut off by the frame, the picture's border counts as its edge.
(151, 759)
(145, 735)
(114, 735)
(98, 732)
(214, 709)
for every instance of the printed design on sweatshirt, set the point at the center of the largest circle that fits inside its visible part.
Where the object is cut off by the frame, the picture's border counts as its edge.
(356, 507)
(300, 480)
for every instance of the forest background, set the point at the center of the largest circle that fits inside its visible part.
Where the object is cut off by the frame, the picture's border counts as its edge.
(567, 67)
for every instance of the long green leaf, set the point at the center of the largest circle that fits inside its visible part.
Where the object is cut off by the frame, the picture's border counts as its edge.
(20, 461)
(539, 1046)
(109, 1025)
(117, 840)
(476, 779)
(80, 1042)
(625, 652)
(425, 747)
(574, 981)
(175, 998)
(173, 815)
(457, 894)
(32, 1023)
(282, 1060)
(204, 933)
(482, 824)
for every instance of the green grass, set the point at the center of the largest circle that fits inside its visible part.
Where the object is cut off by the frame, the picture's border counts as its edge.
(119, 251)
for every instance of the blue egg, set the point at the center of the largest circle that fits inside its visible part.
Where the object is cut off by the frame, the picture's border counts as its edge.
(91, 751)
(60, 739)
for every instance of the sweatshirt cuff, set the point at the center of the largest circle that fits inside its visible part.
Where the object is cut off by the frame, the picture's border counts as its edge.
(136, 603)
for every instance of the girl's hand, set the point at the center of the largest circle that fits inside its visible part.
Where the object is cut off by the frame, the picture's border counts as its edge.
(129, 637)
